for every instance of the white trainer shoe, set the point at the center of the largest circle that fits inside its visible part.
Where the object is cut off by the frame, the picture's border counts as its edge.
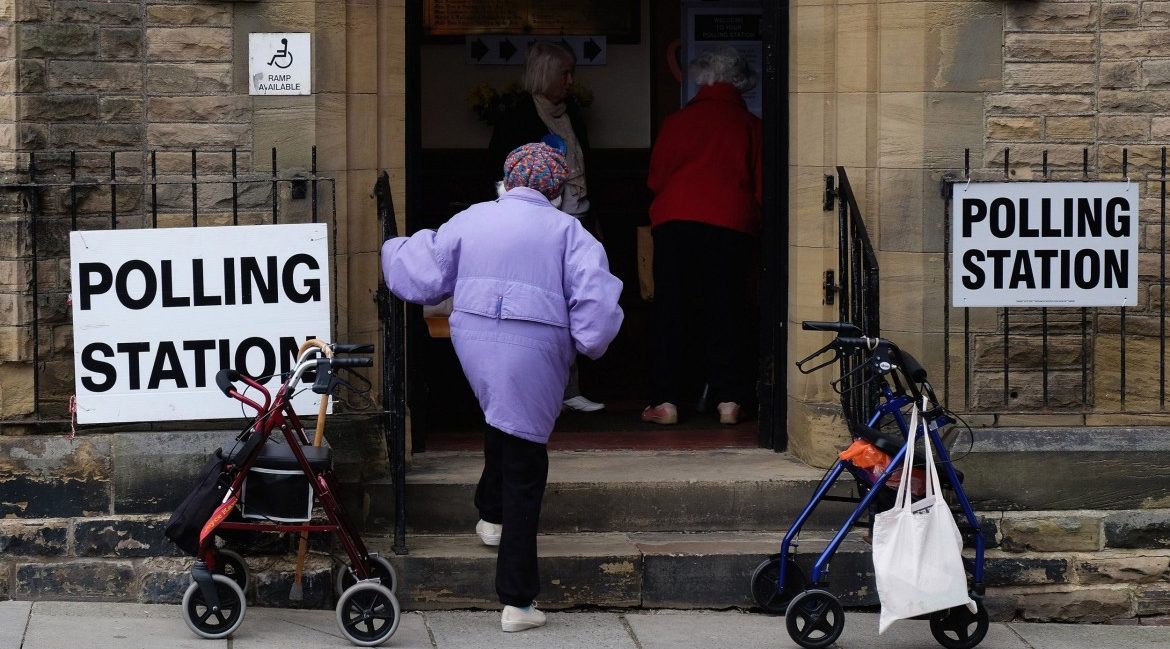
(521, 619)
(581, 404)
(489, 533)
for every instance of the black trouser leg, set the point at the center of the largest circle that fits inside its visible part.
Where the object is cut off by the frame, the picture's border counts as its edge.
(524, 467)
(726, 263)
(489, 491)
(672, 285)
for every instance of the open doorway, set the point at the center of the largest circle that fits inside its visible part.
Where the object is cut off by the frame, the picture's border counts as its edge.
(632, 92)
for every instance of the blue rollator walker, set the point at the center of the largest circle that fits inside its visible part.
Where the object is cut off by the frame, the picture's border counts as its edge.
(894, 381)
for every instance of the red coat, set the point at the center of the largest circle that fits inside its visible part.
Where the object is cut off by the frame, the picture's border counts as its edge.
(705, 165)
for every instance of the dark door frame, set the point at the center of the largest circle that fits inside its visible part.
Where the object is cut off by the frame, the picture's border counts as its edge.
(773, 384)
(773, 367)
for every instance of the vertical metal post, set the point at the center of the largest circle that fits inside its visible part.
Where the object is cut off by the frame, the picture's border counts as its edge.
(1085, 311)
(194, 191)
(1162, 289)
(34, 217)
(1125, 175)
(113, 192)
(1007, 325)
(1044, 320)
(968, 373)
(72, 190)
(275, 189)
(154, 189)
(393, 372)
(235, 191)
(313, 171)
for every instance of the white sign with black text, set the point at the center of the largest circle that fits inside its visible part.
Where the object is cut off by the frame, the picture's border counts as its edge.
(1045, 244)
(158, 312)
(280, 64)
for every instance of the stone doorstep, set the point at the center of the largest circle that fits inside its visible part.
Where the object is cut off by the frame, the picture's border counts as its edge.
(636, 570)
(634, 491)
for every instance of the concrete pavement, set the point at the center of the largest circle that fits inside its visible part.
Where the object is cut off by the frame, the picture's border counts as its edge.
(100, 625)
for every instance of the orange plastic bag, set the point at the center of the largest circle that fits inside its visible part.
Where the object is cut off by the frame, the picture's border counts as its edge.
(864, 455)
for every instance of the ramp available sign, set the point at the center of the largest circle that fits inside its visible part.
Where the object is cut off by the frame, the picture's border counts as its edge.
(1045, 244)
(157, 313)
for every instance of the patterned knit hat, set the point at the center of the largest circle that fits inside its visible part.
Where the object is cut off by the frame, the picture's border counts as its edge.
(537, 166)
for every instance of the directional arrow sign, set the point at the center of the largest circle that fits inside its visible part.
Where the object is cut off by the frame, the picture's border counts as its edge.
(512, 49)
(478, 49)
(591, 49)
(507, 49)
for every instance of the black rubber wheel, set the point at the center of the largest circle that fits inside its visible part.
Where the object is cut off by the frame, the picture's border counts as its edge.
(210, 624)
(815, 619)
(368, 613)
(764, 590)
(958, 627)
(232, 566)
(381, 568)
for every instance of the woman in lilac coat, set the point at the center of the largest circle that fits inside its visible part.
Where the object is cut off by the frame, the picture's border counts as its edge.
(531, 288)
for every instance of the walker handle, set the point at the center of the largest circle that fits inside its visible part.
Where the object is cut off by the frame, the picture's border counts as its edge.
(352, 348)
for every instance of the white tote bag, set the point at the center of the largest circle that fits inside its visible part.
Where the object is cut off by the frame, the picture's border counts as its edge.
(917, 548)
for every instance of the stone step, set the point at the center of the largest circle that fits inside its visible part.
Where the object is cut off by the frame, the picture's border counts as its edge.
(627, 570)
(628, 491)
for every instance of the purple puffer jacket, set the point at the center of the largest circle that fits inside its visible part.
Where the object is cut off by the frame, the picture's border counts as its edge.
(532, 288)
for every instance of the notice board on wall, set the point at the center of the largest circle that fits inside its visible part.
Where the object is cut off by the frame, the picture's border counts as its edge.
(158, 312)
(618, 20)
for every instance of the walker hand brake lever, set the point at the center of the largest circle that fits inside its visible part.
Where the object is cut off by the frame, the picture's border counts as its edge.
(832, 346)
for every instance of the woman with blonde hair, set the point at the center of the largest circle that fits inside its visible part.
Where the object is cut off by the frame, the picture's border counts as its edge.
(547, 109)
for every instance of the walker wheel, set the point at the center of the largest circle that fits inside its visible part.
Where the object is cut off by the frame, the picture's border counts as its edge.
(368, 614)
(958, 627)
(381, 568)
(210, 624)
(815, 619)
(764, 590)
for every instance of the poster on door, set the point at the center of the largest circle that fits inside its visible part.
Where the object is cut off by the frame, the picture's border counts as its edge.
(1045, 244)
(710, 25)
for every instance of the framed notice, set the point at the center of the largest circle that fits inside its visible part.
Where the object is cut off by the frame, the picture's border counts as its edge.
(711, 25)
(617, 20)
(1044, 244)
(157, 313)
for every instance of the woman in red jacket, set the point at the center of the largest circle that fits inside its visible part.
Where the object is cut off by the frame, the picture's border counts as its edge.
(706, 179)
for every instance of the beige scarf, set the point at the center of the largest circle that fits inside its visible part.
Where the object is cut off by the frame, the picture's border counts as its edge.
(554, 117)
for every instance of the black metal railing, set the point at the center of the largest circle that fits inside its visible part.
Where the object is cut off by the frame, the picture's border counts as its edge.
(856, 294)
(1066, 360)
(392, 315)
(54, 193)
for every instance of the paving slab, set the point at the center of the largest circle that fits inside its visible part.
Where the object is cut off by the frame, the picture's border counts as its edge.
(278, 628)
(861, 632)
(1113, 636)
(13, 620)
(724, 630)
(102, 625)
(481, 630)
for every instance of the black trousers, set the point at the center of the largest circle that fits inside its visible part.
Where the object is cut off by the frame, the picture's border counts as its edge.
(701, 276)
(509, 493)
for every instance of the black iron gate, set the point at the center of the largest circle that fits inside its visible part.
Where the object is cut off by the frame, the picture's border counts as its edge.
(55, 193)
(1075, 360)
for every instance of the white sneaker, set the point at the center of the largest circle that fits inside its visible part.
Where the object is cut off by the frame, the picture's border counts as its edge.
(581, 404)
(521, 619)
(489, 533)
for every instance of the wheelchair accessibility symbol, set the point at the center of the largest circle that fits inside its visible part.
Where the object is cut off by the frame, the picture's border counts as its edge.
(283, 58)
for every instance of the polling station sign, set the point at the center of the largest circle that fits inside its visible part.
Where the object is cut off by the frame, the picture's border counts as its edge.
(1044, 244)
(157, 313)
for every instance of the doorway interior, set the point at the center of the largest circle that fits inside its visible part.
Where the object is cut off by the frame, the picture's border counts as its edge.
(447, 170)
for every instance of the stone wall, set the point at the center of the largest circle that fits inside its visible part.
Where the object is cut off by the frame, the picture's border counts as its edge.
(153, 80)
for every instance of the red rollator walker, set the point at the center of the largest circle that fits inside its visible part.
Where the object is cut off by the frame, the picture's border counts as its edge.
(271, 483)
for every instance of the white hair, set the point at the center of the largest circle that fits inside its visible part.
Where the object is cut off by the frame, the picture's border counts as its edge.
(723, 65)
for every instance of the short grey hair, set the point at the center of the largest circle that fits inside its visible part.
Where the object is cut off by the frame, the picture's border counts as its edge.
(542, 65)
(723, 65)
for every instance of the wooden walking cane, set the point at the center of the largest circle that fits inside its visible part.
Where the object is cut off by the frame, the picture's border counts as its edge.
(296, 593)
